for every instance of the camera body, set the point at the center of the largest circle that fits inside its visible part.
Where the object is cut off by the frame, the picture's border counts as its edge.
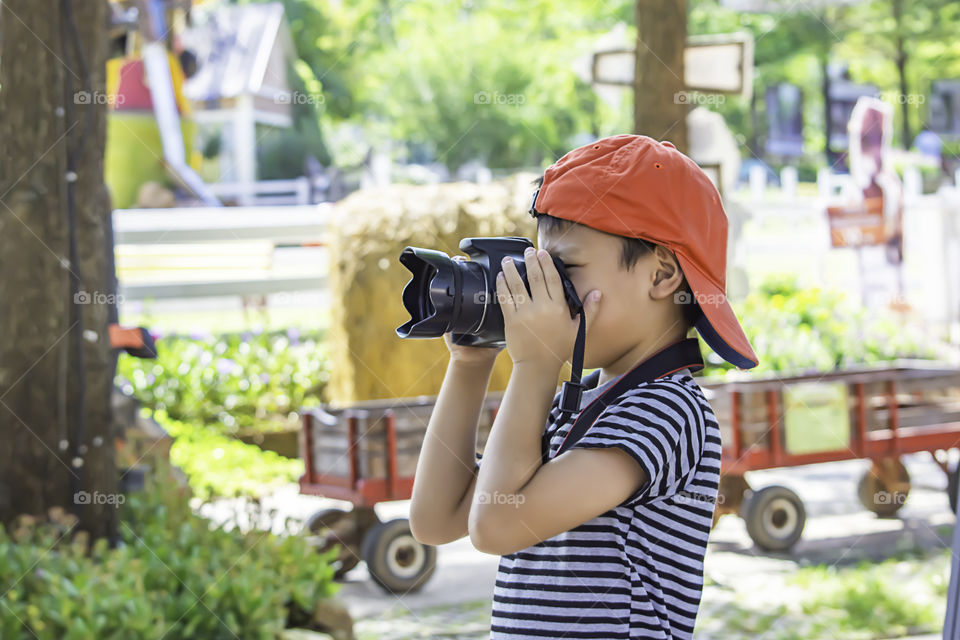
(460, 296)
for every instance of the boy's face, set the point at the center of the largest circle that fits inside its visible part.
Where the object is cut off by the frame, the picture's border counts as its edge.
(632, 309)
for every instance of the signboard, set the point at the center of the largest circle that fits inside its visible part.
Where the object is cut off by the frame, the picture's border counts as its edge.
(712, 64)
(871, 133)
(844, 95)
(858, 225)
(875, 219)
(945, 108)
(784, 120)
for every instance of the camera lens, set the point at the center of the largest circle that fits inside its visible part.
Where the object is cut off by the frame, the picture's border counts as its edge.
(443, 294)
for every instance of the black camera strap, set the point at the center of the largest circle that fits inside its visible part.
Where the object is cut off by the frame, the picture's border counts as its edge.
(672, 358)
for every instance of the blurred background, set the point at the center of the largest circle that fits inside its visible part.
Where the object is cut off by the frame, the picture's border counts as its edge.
(212, 425)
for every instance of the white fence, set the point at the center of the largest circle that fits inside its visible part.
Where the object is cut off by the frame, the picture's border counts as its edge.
(211, 252)
(829, 184)
(264, 192)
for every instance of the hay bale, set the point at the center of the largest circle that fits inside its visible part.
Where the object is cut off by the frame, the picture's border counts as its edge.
(369, 229)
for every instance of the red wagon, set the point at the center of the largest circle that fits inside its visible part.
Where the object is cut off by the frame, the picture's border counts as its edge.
(877, 413)
(367, 453)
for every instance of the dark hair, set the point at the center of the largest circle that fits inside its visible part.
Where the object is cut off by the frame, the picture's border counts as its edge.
(631, 250)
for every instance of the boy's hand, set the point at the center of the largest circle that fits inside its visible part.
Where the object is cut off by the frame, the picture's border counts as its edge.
(463, 354)
(538, 327)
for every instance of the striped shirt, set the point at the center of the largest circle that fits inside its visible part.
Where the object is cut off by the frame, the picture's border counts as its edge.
(635, 571)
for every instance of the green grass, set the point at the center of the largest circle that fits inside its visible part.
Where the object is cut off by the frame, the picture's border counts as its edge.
(219, 466)
(904, 595)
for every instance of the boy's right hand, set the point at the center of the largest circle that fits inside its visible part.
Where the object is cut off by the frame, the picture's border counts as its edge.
(463, 354)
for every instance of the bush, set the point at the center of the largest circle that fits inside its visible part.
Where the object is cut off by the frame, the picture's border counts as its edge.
(218, 465)
(795, 330)
(173, 576)
(231, 381)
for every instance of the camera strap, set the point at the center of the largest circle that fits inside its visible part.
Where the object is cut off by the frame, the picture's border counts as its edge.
(672, 358)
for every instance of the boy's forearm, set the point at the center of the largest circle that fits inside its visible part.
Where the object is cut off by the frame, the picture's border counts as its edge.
(512, 452)
(447, 463)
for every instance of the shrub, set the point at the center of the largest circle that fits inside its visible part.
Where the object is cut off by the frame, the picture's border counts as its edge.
(218, 465)
(231, 381)
(800, 330)
(173, 575)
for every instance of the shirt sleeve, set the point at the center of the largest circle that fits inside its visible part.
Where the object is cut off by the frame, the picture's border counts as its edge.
(661, 427)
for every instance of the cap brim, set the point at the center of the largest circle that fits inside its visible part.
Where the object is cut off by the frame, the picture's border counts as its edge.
(718, 326)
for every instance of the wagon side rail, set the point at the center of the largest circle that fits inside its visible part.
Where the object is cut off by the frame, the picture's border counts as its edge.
(891, 411)
(367, 452)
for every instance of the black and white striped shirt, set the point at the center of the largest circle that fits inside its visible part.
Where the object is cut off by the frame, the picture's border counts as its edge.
(635, 571)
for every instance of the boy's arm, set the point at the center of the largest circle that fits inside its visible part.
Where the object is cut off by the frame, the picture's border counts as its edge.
(518, 501)
(447, 467)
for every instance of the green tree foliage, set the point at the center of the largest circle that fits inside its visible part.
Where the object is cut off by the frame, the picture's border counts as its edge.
(455, 80)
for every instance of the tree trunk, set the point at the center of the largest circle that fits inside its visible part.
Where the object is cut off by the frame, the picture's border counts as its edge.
(905, 132)
(57, 367)
(901, 62)
(660, 98)
(828, 152)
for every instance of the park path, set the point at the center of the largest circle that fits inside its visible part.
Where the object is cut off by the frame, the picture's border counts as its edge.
(455, 602)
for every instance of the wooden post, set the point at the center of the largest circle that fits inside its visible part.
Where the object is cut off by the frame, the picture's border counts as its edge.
(660, 97)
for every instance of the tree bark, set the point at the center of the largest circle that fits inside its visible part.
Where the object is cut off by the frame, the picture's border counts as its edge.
(57, 367)
(901, 62)
(828, 152)
(660, 98)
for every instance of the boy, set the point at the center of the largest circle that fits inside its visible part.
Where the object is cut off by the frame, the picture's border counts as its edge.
(606, 539)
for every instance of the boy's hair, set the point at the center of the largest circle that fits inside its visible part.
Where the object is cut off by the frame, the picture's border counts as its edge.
(631, 250)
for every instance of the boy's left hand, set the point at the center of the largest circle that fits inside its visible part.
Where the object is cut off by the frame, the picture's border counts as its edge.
(538, 327)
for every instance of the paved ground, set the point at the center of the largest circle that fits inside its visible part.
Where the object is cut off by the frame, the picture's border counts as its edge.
(838, 531)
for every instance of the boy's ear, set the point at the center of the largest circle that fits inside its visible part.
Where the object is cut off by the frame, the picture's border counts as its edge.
(667, 275)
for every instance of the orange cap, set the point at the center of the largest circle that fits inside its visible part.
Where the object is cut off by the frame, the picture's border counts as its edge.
(634, 186)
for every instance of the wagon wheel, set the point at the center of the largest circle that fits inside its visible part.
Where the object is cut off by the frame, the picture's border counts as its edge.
(775, 517)
(330, 527)
(396, 560)
(884, 487)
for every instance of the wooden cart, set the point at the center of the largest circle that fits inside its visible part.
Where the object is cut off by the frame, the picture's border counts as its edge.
(367, 453)
(877, 413)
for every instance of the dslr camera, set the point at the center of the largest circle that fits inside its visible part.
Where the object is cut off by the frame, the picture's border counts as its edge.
(460, 296)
